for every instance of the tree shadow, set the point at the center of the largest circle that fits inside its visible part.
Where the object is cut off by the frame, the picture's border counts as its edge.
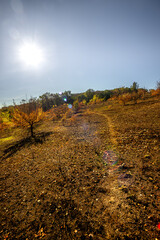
(12, 149)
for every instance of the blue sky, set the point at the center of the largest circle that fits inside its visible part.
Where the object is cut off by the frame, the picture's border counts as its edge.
(98, 44)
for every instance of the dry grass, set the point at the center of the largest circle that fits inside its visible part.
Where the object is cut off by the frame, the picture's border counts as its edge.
(57, 186)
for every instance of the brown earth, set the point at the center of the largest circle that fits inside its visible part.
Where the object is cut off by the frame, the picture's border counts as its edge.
(59, 185)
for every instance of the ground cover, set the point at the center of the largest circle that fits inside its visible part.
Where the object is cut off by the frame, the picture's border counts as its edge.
(135, 134)
(61, 185)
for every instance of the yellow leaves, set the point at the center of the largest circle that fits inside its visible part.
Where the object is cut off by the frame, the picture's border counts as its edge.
(2, 140)
(96, 99)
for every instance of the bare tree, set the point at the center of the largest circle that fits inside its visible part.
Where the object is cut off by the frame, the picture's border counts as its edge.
(158, 84)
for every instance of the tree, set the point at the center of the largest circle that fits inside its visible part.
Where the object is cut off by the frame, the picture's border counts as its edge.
(89, 94)
(67, 96)
(28, 116)
(47, 101)
(134, 87)
(81, 97)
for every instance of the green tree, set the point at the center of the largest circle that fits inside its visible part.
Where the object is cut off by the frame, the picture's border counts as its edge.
(134, 87)
(81, 97)
(68, 96)
(89, 94)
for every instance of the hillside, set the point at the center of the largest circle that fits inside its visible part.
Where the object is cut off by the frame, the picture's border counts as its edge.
(63, 185)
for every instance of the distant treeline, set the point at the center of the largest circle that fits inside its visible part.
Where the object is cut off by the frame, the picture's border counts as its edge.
(64, 105)
(49, 100)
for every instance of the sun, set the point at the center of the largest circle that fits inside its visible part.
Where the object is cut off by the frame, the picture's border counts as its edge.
(31, 54)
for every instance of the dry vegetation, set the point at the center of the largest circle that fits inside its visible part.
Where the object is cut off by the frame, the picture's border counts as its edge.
(59, 185)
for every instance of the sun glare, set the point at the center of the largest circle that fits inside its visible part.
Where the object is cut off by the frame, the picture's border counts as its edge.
(31, 54)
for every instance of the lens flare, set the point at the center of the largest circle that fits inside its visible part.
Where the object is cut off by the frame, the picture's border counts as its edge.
(125, 178)
(69, 106)
(110, 157)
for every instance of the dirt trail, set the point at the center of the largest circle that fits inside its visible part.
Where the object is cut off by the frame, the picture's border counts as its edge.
(111, 128)
(119, 178)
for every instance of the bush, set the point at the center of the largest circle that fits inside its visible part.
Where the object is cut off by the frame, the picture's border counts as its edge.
(95, 100)
(76, 105)
(58, 112)
(142, 93)
(155, 93)
(134, 97)
(124, 98)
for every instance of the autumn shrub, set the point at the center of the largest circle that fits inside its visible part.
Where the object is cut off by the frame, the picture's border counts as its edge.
(1, 123)
(5, 123)
(76, 105)
(1, 120)
(124, 98)
(142, 93)
(155, 93)
(81, 105)
(58, 112)
(113, 99)
(84, 102)
(72, 120)
(95, 100)
(3, 126)
(67, 115)
(134, 97)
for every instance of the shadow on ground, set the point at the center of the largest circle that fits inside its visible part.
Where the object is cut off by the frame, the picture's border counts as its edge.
(12, 149)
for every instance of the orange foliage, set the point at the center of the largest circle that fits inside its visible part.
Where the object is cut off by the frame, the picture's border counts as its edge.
(126, 97)
(58, 112)
(155, 93)
(142, 93)
(28, 120)
(134, 97)
(72, 120)
(3, 125)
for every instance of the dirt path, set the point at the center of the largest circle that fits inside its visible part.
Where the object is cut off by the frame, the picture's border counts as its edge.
(118, 179)
(97, 130)
(111, 128)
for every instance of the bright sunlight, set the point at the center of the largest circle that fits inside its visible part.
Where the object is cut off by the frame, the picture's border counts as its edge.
(31, 54)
